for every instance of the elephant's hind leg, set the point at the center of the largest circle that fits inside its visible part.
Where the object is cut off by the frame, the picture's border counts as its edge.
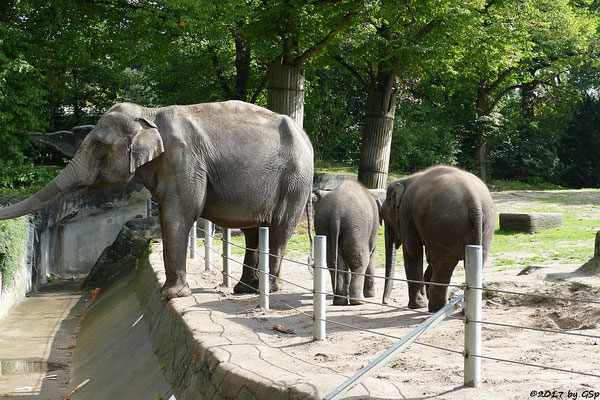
(249, 281)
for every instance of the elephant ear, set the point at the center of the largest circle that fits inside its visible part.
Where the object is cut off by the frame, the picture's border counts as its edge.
(146, 145)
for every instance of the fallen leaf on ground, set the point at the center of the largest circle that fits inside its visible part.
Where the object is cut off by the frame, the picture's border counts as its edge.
(283, 329)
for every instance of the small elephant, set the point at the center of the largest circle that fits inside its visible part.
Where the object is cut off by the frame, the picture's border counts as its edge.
(444, 209)
(233, 163)
(349, 217)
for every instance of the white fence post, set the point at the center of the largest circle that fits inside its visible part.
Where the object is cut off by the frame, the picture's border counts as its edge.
(208, 229)
(226, 257)
(319, 288)
(193, 237)
(149, 208)
(263, 267)
(473, 297)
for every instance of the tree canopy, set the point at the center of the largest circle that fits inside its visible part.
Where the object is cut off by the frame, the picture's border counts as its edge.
(506, 88)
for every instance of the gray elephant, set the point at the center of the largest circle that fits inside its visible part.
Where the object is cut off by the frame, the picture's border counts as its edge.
(444, 209)
(236, 164)
(349, 217)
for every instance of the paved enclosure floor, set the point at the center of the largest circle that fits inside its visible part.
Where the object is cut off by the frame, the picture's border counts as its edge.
(36, 342)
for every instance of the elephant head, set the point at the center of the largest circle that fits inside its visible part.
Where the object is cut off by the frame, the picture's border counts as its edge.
(390, 214)
(108, 156)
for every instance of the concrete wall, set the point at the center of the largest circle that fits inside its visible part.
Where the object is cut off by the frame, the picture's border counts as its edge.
(11, 295)
(73, 232)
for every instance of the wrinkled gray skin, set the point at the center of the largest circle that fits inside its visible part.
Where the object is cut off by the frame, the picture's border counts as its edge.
(444, 209)
(234, 163)
(349, 217)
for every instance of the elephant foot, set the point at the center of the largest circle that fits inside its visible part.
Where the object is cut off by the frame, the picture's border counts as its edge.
(246, 287)
(275, 285)
(172, 289)
(418, 303)
(356, 302)
(369, 292)
(340, 301)
(434, 307)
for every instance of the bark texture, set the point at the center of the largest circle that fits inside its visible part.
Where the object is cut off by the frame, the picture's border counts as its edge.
(377, 139)
(286, 90)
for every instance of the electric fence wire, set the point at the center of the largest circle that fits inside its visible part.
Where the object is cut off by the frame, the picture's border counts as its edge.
(496, 359)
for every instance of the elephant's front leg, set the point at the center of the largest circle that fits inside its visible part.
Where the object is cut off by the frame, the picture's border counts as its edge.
(413, 265)
(175, 228)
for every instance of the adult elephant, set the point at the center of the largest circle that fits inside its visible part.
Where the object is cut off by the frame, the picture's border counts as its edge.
(444, 209)
(236, 164)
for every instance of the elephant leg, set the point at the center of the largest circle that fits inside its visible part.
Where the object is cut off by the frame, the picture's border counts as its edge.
(442, 268)
(360, 258)
(413, 265)
(249, 281)
(278, 239)
(369, 287)
(175, 229)
(428, 273)
(341, 283)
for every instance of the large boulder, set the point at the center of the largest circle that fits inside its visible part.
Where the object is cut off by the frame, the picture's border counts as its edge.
(121, 257)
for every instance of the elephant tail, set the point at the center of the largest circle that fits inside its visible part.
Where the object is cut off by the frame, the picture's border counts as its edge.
(476, 217)
(309, 216)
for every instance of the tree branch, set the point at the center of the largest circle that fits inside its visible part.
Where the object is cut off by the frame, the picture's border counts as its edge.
(219, 73)
(319, 46)
(260, 88)
(498, 81)
(350, 69)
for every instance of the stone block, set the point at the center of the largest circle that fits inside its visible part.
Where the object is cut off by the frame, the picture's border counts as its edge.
(529, 222)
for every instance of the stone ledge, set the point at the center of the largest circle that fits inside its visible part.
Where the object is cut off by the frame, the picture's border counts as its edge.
(198, 362)
(530, 222)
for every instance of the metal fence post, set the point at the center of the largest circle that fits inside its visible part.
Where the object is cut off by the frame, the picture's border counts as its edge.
(208, 229)
(263, 267)
(193, 241)
(226, 257)
(149, 208)
(473, 297)
(319, 288)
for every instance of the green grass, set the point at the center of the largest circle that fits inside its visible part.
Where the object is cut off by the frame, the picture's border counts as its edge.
(571, 244)
(514, 185)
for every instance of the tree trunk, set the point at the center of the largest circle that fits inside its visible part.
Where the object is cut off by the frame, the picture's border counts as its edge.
(481, 134)
(480, 150)
(286, 90)
(377, 139)
(527, 101)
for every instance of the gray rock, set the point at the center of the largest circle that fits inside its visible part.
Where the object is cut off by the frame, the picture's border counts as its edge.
(530, 222)
(121, 257)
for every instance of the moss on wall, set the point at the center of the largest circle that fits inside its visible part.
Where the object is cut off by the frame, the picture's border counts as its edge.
(13, 234)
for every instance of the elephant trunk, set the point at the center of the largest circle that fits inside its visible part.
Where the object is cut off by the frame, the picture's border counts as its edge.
(390, 262)
(76, 175)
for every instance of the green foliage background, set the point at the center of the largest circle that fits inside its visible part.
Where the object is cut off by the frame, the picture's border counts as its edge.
(462, 69)
(13, 234)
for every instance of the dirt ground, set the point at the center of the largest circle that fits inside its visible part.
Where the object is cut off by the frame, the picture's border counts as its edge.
(423, 372)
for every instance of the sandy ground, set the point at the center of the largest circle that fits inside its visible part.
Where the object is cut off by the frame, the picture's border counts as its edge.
(423, 372)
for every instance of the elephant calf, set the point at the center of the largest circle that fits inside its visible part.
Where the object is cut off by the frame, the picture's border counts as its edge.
(349, 217)
(444, 209)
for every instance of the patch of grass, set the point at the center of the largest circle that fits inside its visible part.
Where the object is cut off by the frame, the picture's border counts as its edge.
(573, 243)
(514, 185)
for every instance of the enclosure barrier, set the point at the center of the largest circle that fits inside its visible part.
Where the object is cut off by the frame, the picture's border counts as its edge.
(470, 353)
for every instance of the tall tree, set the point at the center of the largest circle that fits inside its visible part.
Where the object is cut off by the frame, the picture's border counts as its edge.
(386, 52)
(300, 29)
(517, 46)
